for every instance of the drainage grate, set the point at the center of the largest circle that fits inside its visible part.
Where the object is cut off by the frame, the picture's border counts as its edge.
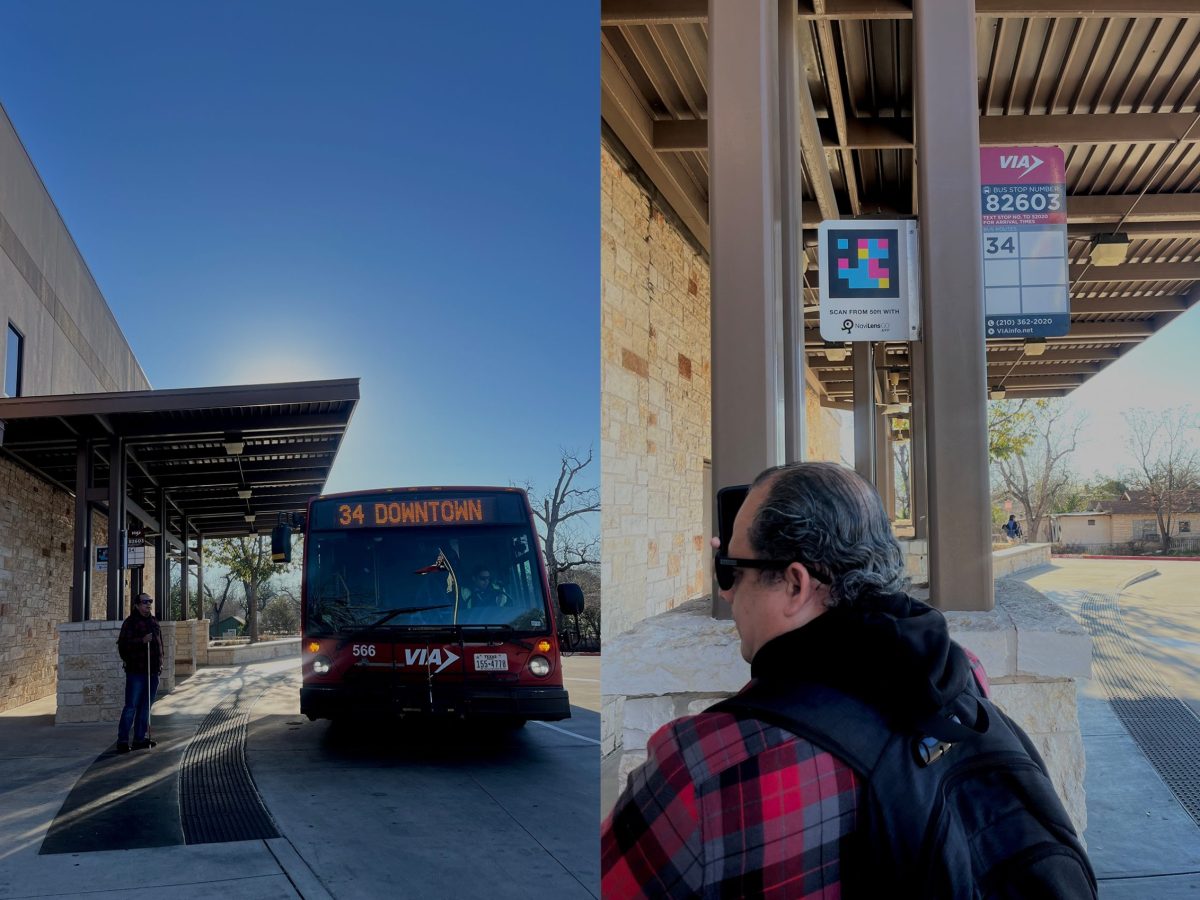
(1165, 729)
(217, 798)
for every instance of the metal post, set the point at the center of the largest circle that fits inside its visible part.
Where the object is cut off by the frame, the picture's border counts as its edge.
(918, 500)
(184, 570)
(162, 561)
(81, 583)
(864, 410)
(947, 120)
(745, 200)
(884, 463)
(200, 576)
(791, 232)
(116, 523)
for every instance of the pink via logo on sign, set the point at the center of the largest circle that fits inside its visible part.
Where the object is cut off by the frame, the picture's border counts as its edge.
(1022, 165)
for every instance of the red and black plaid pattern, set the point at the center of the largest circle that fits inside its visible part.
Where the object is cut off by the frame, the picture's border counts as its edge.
(725, 807)
(729, 808)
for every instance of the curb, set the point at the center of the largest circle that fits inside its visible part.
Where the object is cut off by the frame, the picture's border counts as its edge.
(1156, 559)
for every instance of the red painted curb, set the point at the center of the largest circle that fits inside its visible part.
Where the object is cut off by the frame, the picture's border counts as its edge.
(1155, 558)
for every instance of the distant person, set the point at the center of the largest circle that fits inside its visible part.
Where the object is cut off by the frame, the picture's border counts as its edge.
(482, 592)
(863, 759)
(1012, 528)
(141, 648)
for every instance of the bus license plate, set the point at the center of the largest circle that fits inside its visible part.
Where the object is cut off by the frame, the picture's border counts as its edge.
(491, 662)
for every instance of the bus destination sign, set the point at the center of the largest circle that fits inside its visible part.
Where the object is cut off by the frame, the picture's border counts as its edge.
(393, 510)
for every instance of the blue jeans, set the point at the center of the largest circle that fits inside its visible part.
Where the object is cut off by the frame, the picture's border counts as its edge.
(137, 711)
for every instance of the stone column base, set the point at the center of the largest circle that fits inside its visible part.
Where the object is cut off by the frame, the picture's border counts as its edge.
(91, 677)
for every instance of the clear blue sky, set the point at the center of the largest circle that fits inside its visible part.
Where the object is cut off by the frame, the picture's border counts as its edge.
(403, 192)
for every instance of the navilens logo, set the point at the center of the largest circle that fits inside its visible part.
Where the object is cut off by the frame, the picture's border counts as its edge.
(1026, 161)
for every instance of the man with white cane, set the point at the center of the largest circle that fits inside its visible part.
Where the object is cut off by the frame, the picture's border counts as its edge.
(139, 632)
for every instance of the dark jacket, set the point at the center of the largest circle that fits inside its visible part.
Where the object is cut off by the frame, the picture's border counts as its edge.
(133, 649)
(714, 785)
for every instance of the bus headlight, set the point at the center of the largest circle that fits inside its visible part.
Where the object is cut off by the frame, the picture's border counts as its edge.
(321, 665)
(539, 666)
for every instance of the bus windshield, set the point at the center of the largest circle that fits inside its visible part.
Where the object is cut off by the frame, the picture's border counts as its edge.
(445, 576)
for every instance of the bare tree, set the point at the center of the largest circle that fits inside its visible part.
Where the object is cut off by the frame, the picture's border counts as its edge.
(900, 454)
(1036, 472)
(1166, 463)
(567, 542)
(214, 601)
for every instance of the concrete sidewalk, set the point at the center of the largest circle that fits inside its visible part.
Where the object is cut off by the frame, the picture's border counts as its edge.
(41, 763)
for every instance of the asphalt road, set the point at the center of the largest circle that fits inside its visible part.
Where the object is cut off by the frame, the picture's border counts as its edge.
(385, 810)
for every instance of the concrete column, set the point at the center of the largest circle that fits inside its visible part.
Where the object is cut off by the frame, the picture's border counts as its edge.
(81, 582)
(947, 122)
(116, 524)
(864, 410)
(746, 212)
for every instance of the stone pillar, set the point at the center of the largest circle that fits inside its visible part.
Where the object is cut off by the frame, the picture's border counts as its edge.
(91, 677)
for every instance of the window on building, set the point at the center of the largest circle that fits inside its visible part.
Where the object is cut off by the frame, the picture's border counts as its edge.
(1091, 521)
(1146, 529)
(1185, 527)
(13, 362)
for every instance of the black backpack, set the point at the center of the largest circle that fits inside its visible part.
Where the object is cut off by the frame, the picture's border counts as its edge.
(948, 810)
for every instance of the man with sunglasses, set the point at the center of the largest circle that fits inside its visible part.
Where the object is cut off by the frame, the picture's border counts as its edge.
(736, 801)
(141, 648)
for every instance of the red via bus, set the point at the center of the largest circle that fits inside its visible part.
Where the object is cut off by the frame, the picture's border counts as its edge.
(430, 601)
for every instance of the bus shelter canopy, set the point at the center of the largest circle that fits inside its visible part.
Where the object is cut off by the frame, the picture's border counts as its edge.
(229, 459)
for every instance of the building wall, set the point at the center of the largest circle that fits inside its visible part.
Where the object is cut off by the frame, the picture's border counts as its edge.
(655, 412)
(72, 344)
(72, 341)
(36, 545)
(655, 402)
(1075, 529)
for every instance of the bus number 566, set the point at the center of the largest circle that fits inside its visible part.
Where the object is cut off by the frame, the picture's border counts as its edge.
(363, 650)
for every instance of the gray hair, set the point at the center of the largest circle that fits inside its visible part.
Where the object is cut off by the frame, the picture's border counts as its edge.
(832, 520)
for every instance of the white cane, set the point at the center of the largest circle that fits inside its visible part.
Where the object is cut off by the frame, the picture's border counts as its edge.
(148, 731)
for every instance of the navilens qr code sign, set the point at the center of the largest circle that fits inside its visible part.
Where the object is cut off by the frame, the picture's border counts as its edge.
(1025, 284)
(868, 288)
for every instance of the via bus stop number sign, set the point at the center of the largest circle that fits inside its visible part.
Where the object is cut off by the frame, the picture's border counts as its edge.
(1025, 265)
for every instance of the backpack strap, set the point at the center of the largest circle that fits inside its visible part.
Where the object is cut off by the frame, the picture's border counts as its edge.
(845, 726)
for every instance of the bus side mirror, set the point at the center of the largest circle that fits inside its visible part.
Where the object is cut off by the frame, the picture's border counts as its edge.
(570, 599)
(281, 544)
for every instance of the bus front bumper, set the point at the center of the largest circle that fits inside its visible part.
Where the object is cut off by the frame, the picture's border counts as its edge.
(547, 704)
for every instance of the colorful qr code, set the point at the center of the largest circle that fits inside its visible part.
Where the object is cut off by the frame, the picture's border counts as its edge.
(864, 264)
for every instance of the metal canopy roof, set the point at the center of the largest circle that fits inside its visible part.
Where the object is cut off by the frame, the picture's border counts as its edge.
(1113, 82)
(176, 442)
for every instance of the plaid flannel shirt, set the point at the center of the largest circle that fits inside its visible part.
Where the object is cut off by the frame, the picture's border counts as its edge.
(732, 808)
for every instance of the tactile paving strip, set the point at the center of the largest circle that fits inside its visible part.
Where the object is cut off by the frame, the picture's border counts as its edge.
(1165, 728)
(217, 798)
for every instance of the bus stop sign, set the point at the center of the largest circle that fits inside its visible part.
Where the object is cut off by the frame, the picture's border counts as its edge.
(1025, 284)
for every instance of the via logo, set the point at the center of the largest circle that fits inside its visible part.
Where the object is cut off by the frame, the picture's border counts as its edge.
(1026, 161)
(438, 656)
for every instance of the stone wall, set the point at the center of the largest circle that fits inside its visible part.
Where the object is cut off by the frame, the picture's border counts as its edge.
(36, 547)
(655, 414)
(91, 678)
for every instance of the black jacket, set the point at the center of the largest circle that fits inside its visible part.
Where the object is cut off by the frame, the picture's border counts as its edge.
(133, 649)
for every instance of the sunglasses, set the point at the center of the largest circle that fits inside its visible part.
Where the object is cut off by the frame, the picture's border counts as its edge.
(725, 568)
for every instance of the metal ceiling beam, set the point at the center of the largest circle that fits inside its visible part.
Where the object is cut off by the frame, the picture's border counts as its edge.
(1111, 208)
(1089, 274)
(624, 110)
(1167, 303)
(837, 102)
(1141, 230)
(677, 12)
(652, 12)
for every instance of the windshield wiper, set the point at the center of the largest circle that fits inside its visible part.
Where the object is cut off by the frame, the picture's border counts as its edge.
(391, 614)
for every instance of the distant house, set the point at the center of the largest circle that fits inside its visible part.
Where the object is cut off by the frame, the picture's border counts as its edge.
(230, 626)
(1127, 519)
